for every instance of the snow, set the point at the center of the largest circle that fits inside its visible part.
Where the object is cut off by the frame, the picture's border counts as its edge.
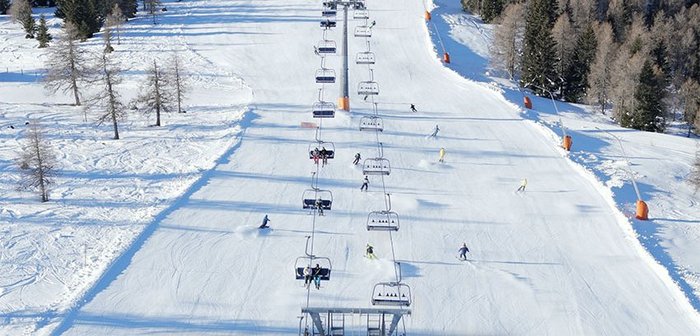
(170, 221)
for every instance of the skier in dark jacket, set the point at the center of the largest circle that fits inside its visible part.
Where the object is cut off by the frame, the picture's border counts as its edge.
(413, 108)
(365, 184)
(264, 223)
(357, 159)
(324, 156)
(463, 252)
(317, 276)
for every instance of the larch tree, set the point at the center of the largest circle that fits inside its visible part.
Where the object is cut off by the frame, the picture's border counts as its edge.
(157, 96)
(506, 50)
(152, 7)
(600, 76)
(694, 177)
(539, 59)
(114, 21)
(67, 64)
(634, 52)
(42, 33)
(21, 11)
(107, 101)
(107, 39)
(179, 82)
(690, 102)
(564, 37)
(37, 162)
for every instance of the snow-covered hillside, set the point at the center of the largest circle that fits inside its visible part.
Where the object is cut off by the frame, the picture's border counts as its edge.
(166, 240)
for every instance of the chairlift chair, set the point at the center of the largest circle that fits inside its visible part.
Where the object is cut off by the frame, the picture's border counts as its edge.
(327, 12)
(358, 5)
(330, 5)
(391, 294)
(376, 166)
(323, 109)
(329, 146)
(371, 123)
(363, 31)
(311, 195)
(311, 261)
(327, 47)
(360, 14)
(365, 57)
(383, 221)
(324, 75)
(368, 88)
(327, 23)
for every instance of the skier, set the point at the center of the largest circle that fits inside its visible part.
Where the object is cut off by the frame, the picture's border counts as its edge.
(357, 159)
(324, 156)
(413, 108)
(316, 51)
(369, 252)
(463, 252)
(319, 206)
(523, 184)
(442, 154)
(316, 154)
(435, 132)
(365, 184)
(307, 276)
(317, 276)
(372, 25)
(365, 99)
(264, 223)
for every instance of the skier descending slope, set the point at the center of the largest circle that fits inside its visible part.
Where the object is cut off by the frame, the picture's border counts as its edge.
(442, 154)
(357, 159)
(369, 252)
(435, 132)
(365, 184)
(264, 223)
(463, 252)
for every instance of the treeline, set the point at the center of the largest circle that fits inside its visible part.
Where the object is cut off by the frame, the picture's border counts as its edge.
(640, 58)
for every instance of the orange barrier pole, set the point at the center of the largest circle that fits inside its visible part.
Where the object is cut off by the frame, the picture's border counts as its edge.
(344, 103)
(566, 143)
(446, 58)
(642, 210)
(427, 16)
(527, 102)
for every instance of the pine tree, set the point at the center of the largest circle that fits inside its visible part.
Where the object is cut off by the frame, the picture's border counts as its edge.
(584, 54)
(4, 6)
(21, 12)
(491, 9)
(129, 7)
(647, 114)
(42, 33)
(539, 60)
(83, 14)
(37, 162)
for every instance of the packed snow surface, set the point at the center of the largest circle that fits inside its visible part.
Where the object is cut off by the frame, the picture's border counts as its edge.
(560, 258)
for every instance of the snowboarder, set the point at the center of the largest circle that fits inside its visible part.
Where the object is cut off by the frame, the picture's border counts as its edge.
(307, 276)
(357, 159)
(435, 132)
(324, 156)
(413, 108)
(463, 252)
(264, 223)
(369, 252)
(319, 206)
(523, 184)
(316, 154)
(372, 25)
(365, 184)
(317, 276)
(442, 154)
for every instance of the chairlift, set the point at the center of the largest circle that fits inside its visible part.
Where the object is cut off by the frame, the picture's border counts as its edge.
(311, 261)
(364, 57)
(326, 47)
(324, 75)
(371, 123)
(310, 197)
(391, 294)
(360, 14)
(327, 12)
(330, 5)
(376, 166)
(327, 23)
(329, 146)
(363, 31)
(368, 88)
(358, 5)
(383, 221)
(323, 109)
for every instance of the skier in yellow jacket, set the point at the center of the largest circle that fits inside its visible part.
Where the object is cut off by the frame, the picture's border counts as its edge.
(442, 154)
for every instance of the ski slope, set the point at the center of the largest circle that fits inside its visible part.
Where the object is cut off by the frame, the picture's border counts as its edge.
(558, 259)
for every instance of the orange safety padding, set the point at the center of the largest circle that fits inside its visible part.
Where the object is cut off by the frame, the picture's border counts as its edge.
(566, 143)
(427, 16)
(446, 58)
(642, 210)
(344, 103)
(528, 102)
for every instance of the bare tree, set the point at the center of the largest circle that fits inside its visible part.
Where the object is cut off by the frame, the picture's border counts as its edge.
(114, 21)
(37, 161)
(634, 52)
(690, 101)
(67, 64)
(157, 96)
(21, 11)
(694, 177)
(600, 76)
(152, 6)
(508, 40)
(180, 84)
(107, 39)
(107, 102)
(565, 37)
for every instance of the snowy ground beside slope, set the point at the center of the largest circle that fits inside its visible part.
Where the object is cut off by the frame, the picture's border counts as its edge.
(105, 191)
(660, 162)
